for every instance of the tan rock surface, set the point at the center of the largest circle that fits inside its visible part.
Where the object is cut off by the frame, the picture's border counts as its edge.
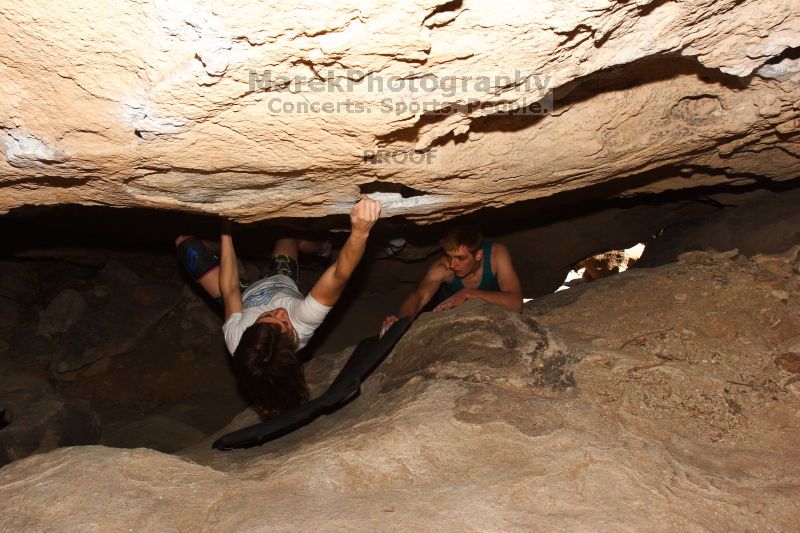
(613, 406)
(149, 103)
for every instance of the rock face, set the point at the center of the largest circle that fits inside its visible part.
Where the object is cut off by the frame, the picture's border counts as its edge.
(115, 325)
(42, 420)
(62, 313)
(201, 108)
(644, 401)
(94, 353)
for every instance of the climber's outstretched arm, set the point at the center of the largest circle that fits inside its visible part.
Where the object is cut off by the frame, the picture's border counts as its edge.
(228, 273)
(330, 285)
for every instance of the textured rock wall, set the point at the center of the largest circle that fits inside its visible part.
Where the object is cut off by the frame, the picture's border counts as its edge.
(655, 400)
(149, 103)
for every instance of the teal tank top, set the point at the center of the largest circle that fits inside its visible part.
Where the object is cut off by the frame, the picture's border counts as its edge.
(488, 279)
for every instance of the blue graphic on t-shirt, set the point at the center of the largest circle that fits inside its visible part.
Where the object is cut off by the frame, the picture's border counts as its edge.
(261, 296)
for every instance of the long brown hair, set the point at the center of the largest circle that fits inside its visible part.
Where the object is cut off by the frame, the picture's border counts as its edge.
(269, 371)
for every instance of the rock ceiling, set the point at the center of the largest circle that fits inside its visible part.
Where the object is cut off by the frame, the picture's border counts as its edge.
(254, 110)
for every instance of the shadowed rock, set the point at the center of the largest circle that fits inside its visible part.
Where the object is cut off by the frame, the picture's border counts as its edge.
(62, 313)
(114, 326)
(41, 420)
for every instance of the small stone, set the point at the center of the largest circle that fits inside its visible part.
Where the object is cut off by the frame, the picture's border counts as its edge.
(789, 362)
(693, 257)
(779, 267)
(101, 292)
(62, 313)
(794, 388)
(780, 295)
(793, 254)
(600, 342)
(761, 259)
(414, 380)
(727, 254)
(680, 297)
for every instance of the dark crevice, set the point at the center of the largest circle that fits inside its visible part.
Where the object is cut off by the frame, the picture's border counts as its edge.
(644, 71)
(652, 6)
(32, 226)
(602, 40)
(388, 187)
(411, 133)
(452, 5)
(574, 203)
(574, 32)
(788, 53)
(47, 181)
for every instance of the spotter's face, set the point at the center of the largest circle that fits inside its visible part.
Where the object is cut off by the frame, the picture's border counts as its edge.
(462, 261)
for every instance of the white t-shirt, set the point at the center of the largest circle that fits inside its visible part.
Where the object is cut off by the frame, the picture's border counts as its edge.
(274, 292)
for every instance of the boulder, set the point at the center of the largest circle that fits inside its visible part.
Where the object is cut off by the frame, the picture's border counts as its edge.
(789, 362)
(114, 326)
(115, 272)
(98, 475)
(62, 313)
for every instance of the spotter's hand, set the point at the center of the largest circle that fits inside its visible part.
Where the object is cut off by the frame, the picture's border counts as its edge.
(387, 323)
(454, 301)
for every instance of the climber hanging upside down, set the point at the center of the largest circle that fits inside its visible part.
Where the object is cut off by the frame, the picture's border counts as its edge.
(267, 324)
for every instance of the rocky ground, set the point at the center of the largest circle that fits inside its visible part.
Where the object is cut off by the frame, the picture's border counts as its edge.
(659, 399)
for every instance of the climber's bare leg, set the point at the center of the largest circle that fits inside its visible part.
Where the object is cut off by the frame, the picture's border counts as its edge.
(210, 280)
(286, 246)
(313, 247)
